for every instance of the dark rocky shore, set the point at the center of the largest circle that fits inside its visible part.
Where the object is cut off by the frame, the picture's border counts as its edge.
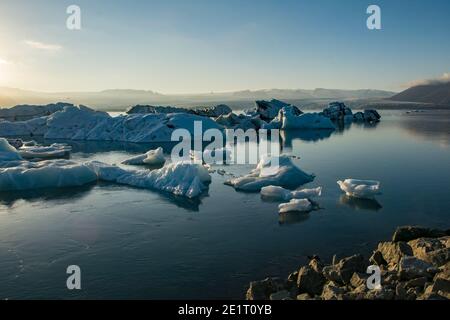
(415, 265)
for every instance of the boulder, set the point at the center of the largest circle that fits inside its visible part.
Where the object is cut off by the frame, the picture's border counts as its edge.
(261, 290)
(310, 281)
(392, 252)
(411, 268)
(432, 250)
(280, 295)
(408, 233)
(332, 291)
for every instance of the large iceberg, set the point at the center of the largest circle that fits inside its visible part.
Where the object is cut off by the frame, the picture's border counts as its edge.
(214, 112)
(365, 189)
(272, 171)
(268, 110)
(27, 112)
(82, 123)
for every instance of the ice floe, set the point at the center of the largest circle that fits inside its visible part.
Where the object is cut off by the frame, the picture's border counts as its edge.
(56, 150)
(268, 110)
(213, 112)
(296, 205)
(26, 175)
(272, 171)
(282, 194)
(289, 120)
(151, 158)
(365, 189)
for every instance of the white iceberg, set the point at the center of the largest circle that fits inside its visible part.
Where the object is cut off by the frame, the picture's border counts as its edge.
(272, 171)
(56, 150)
(182, 178)
(8, 152)
(296, 205)
(152, 158)
(282, 194)
(27, 112)
(289, 120)
(365, 189)
(26, 175)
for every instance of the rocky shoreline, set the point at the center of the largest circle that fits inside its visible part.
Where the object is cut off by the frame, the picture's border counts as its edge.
(415, 265)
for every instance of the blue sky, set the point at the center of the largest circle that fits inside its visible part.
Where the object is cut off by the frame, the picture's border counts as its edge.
(187, 46)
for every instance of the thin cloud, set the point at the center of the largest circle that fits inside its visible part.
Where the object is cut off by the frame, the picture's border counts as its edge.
(42, 46)
(445, 78)
(3, 61)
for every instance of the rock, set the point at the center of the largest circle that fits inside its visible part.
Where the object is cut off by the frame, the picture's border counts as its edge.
(316, 265)
(417, 282)
(423, 248)
(331, 273)
(431, 296)
(408, 233)
(304, 296)
(332, 291)
(280, 295)
(261, 290)
(310, 281)
(358, 279)
(441, 282)
(392, 252)
(377, 258)
(343, 271)
(381, 294)
(411, 268)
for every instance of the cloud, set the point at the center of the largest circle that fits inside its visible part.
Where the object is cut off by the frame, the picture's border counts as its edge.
(42, 46)
(445, 78)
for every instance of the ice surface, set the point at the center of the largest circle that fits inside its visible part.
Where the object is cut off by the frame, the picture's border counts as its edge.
(8, 152)
(282, 194)
(285, 174)
(289, 120)
(365, 189)
(296, 205)
(152, 158)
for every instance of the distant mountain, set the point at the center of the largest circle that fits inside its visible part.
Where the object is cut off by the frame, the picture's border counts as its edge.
(120, 99)
(437, 93)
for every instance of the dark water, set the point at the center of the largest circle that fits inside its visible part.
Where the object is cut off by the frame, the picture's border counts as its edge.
(134, 243)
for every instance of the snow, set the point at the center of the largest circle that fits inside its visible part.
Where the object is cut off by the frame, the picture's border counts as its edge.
(27, 112)
(152, 158)
(296, 205)
(25, 175)
(182, 178)
(365, 189)
(282, 194)
(56, 150)
(8, 152)
(285, 174)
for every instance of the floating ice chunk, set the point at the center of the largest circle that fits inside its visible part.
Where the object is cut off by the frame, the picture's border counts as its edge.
(276, 193)
(307, 193)
(279, 193)
(296, 205)
(25, 175)
(272, 171)
(56, 150)
(181, 178)
(8, 152)
(218, 155)
(365, 189)
(152, 158)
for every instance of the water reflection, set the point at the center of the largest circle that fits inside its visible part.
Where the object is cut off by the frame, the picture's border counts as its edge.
(305, 135)
(360, 204)
(428, 126)
(9, 198)
(290, 218)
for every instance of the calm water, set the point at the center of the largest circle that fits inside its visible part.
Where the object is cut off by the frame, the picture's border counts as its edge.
(133, 243)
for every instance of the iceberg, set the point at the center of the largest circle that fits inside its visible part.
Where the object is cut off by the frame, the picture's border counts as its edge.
(27, 112)
(282, 194)
(268, 110)
(56, 150)
(182, 178)
(283, 173)
(26, 175)
(289, 120)
(152, 158)
(296, 205)
(8, 152)
(365, 189)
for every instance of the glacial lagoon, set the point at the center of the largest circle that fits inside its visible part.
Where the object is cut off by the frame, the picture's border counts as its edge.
(133, 243)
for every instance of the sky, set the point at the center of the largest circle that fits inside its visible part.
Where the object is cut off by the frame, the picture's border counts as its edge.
(198, 46)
